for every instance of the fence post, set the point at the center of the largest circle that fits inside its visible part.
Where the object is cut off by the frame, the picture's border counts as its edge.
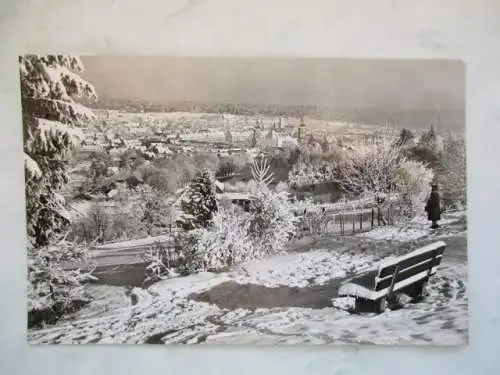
(353, 223)
(341, 225)
(360, 221)
(378, 215)
(373, 216)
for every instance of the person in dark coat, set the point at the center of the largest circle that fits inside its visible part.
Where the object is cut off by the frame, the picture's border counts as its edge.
(433, 207)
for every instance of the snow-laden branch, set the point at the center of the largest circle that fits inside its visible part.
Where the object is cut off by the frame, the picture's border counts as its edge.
(261, 171)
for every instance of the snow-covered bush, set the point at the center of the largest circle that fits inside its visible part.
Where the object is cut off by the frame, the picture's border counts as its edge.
(52, 289)
(161, 260)
(191, 260)
(272, 221)
(369, 167)
(156, 213)
(380, 169)
(453, 179)
(412, 182)
(281, 186)
(227, 242)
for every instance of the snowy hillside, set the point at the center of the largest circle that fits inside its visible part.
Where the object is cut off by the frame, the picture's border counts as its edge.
(284, 299)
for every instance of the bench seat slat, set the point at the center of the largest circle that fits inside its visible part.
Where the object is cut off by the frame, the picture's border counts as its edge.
(421, 250)
(408, 272)
(366, 279)
(405, 263)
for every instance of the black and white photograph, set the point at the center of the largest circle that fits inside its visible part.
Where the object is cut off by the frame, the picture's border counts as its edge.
(245, 200)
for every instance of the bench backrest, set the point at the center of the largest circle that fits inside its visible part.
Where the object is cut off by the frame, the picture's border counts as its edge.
(410, 268)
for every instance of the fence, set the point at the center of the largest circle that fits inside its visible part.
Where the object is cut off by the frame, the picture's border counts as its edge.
(345, 223)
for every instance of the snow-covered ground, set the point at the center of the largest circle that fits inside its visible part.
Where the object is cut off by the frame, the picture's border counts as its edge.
(284, 299)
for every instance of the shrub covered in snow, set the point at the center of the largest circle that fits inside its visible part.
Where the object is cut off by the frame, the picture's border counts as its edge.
(53, 290)
(412, 181)
(227, 242)
(453, 178)
(161, 260)
(191, 260)
(381, 169)
(272, 220)
(156, 210)
(369, 167)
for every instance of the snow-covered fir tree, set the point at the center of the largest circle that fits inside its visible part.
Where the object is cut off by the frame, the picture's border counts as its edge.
(199, 203)
(51, 117)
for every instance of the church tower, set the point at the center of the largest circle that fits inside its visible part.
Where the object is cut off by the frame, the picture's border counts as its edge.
(301, 131)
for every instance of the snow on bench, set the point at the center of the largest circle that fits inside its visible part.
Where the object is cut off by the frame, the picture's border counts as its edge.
(407, 274)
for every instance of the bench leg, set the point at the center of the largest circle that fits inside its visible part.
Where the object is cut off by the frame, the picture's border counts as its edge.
(379, 305)
(417, 291)
(368, 306)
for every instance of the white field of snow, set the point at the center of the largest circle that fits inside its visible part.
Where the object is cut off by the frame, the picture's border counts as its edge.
(416, 229)
(315, 267)
(163, 313)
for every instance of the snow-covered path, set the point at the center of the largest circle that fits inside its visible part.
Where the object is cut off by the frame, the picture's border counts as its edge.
(286, 299)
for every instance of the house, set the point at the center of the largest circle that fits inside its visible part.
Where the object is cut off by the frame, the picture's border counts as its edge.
(219, 187)
(240, 199)
(320, 192)
(131, 179)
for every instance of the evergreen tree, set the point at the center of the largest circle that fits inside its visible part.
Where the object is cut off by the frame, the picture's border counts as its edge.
(199, 204)
(51, 117)
(253, 139)
(405, 138)
(228, 136)
(453, 171)
(429, 139)
(325, 145)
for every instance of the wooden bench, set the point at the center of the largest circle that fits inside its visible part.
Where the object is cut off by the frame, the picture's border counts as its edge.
(407, 274)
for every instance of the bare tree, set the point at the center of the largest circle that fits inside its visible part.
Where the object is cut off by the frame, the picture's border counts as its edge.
(368, 169)
(261, 171)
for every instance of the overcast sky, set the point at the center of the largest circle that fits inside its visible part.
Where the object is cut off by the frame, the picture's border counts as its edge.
(391, 84)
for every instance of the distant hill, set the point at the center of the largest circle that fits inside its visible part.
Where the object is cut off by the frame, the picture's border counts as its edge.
(449, 119)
